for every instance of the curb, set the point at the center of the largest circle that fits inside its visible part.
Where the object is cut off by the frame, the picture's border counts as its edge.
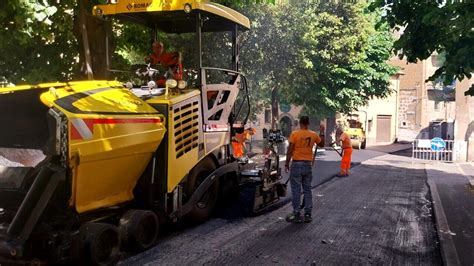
(448, 250)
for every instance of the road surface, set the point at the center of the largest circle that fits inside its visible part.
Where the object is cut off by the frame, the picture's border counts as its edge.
(380, 215)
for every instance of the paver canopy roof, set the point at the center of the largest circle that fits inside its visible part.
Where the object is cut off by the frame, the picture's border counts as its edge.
(170, 16)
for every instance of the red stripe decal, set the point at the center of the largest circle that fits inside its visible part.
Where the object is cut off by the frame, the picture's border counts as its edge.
(91, 122)
(74, 133)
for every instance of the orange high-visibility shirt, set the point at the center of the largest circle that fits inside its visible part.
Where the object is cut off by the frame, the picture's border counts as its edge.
(238, 149)
(169, 60)
(240, 137)
(304, 141)
(346, 141)
(165, 59)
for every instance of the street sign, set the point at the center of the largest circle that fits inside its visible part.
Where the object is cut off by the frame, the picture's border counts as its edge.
(284, 107)
(424, 143)
(438, 144)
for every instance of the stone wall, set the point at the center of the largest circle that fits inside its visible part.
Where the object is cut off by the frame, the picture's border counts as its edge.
(464, 126)
(410, 95)
(416, 111)
(407, 125)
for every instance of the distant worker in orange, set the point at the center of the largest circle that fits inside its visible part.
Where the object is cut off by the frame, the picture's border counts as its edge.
(172, 61)
(238, 143)
(346, 145)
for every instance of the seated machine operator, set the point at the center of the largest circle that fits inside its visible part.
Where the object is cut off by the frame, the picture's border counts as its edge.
(171, 61)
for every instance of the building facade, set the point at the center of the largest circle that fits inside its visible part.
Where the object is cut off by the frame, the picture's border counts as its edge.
(288, 116)
(380, 116)
(416, 109)
(425, 111)
(464, 122)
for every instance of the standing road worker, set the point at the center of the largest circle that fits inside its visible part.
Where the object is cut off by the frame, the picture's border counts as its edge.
(300, 153)
(346, 145)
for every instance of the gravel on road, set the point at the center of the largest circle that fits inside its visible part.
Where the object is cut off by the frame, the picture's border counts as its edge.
(381, 214)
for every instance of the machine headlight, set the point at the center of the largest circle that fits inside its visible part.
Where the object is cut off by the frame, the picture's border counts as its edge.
(151, 85)
(54, 92)
(171, 83)
(182, 84)
(187, 8)
(98, 12)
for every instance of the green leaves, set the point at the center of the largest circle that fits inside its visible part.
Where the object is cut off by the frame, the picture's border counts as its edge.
(339, 59)
(37, 41)
(43, 12)
(326, 57)
(431, 27)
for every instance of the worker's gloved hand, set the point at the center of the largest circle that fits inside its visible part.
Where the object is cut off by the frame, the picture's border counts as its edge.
(287, 168)
(148, 60)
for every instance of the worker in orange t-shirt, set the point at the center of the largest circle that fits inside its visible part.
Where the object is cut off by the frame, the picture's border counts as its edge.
(300, 153)
(172, 61)
(346, 146)
(238, 143)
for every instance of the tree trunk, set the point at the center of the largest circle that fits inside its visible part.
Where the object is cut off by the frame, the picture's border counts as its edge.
(101, 42)
(86, 53)
(275, 101)
(95, 37)
(330, 129)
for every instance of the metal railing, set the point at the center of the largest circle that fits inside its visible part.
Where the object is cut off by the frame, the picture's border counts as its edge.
(421, 149)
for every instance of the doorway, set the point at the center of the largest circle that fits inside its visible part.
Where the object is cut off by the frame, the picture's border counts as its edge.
(384, 128)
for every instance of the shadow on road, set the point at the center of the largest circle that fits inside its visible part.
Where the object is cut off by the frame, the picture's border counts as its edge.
(406, 152)
(380, 215)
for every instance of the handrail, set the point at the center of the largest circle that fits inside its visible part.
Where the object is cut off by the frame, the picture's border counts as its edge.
(247, 96)
(221, 69)
(245, 84)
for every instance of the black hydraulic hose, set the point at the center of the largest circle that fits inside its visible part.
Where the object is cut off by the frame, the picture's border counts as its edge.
(247, 97)
(241, 104)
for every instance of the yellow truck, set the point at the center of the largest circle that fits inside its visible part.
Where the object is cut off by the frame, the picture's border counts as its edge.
(356, 133)
(99, 165)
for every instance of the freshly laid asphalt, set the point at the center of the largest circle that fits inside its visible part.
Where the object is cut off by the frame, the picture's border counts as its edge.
(457, 202)
(381, 214)
(328, 162)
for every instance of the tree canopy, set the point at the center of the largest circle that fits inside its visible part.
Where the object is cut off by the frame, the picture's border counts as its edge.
(37, 43)
(427, 27)
(326, 57)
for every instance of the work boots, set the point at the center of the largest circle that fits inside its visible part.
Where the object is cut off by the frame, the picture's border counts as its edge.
(294, 218)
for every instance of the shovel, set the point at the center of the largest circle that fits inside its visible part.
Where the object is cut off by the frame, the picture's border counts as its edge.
(340, 153)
